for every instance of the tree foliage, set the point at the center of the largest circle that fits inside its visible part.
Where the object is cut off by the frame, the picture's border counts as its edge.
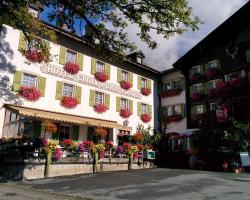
(104, 21)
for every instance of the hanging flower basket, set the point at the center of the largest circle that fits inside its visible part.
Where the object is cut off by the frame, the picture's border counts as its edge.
(138, 137)
(172, 119)
(109, 144)
(146, 91)
(101, 132)
(213, 72)
(146, 118)
(140, 147)
(171, 93)
(69, 102)
(71, 68)
(125, 113)
(125, 85)
(196, 96)
(35, 56)
(30, 93)
(100, 108)
(49, 126)
(101, 76)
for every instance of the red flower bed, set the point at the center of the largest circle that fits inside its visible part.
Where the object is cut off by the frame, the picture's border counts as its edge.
(138, 137)
(101, 76)
(197, 77)
(71, 68)
(125, 113)
(213, 72)
(171, 93)
(34, 56)
(69, 102)
(100, 108)
(173, 118)
(146, 118)
(146, 91)
(125, 85)
(196, 96)
(30, 93)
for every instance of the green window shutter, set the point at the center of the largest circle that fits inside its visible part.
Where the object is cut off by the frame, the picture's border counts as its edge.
(107, 100)
(182, 83)
(62, 55)
(149, 109)
(131, 75)
(131, 105)
(139, 109)
(42, 85)
(118, 104)
(191, 90)
(80, 58)
(91, 98)
(93, 66)
(22, 45)
(55, 136)
(248, 55)
(75, 133)
(36, 129)
(59, 88)
(139, 82)
(107, 69)
(149, 84)
(119, 75)
(205, 88)
(182, 110)
(17, 80)
(78, 94)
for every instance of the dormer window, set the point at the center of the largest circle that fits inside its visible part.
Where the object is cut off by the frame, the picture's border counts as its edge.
(33, 12)
(139, 59)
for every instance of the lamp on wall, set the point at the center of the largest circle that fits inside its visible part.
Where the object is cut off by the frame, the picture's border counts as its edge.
(125, 122)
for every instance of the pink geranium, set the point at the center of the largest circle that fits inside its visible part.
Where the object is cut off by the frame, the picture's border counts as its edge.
(71, 68)
(101, 76)
(30, 93)
(125, 113)
(146, 91)
(100, 108)
(125, 85)
(146, 118)
(34, 56)
(69, 102)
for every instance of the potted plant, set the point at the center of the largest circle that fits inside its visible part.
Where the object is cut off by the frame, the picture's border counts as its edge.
(146, 117)
(71, 68)
(69, 102)
(30, 93)
(101, 76)
(146, 91)
(125, 113)
(138, 137)
(126, 85)
(100, 108)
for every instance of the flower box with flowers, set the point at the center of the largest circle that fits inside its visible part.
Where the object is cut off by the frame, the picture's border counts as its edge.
(171, 93)
(212, 73)
(146, 118)
(35, 55)
(71, 68)
(197, 117)
(30, 93)
(101, 76)
(69, 102)
(197, 77)
(125, 85)
(146, 91)
(197, 96)
(212, 93)
(173, 118)
(125, 113)
(100, 108)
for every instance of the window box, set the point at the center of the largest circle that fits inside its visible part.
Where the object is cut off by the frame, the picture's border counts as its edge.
(145, 117)
(101, 76)
(172, 119)
(212, 73)
(125, 85)
(125, 113)
(146, 91)
(171, 93)
(197, 96)
(69, 102)
(197, 117)
(30, 93)
(100, 108)
(71, 68)
(196, 77)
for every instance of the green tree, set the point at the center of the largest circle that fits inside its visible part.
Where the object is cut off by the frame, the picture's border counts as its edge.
(104, 20)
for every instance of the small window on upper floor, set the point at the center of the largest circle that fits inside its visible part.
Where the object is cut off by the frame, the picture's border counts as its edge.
(71, 56)
(177, 109)
(197, 88)
(68, 90)
(124, 103)
(174, 84)
(196, 69)
(199, 109)
(100, 66)
(124, 75)
(213, 106)
(99, 98)
(29, 80)
(144, 83)
(144, 108)
(212, 64)
(139, 59)
(212, 84)
(169, 110)
(235, 75)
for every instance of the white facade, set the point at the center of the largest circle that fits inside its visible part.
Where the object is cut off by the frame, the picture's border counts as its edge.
(14, 59)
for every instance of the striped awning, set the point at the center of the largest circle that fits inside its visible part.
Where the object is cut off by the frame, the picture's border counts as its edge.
(61, 117)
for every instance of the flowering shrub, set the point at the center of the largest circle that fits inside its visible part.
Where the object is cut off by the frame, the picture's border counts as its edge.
(109, 144)
(197, 96)
(126, 147)
(101, 76)
(146, 117)
(71, 68)
(100, 108)
(132, 150)
(57, 154)
(173, 118)
(67, 143)
(69, 102)
(125, 113)
(138, 137)
(81, 147)
(197, 77)
(125, 85)
(101, 132)
(30, 93)
(140, 147)
(213, 72)
(49, 126)
(171, 93)
(146, 91)
(88, 144)
(35, 55)
(135, 155)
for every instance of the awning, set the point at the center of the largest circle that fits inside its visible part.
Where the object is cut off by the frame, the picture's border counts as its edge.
(61, 117)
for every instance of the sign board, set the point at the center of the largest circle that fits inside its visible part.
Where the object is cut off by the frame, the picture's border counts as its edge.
(245, 159)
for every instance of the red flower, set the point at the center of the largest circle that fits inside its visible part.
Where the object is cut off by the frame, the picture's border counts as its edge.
(125, 85)
(109, 144)
(173, 118)
(30, 93)
(171, 93)
(67, 143)
(126, 146)
(71, 68)
(146, 118)
(69, 102)
(196, 96)
(101, 76)
(125, 113)
(211, 73)
(140, 147)
(100, 108)
(34, 56)
(138, 137)
(88, 144)
(197, 77)
(146, 91)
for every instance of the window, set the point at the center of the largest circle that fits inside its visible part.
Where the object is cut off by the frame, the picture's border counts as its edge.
(124, 76)
(235, 75)
(169, 110)
(177, 110)
(124, 103)
(199, 109)
(144, 108)
(33, 12)
(64, 132)
(144, 83)
(99, 98)
(71, 56)
(213, 106)
(196, 69)
(171, 85)
(100, 66)
(197, 88)
(211, 84)
(174, 84)
(139, 59)
(212, 64)
(29, 80)
(68, 90)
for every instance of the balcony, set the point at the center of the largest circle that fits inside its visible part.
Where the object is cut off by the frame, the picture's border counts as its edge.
(171, 93)
(172, 119)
